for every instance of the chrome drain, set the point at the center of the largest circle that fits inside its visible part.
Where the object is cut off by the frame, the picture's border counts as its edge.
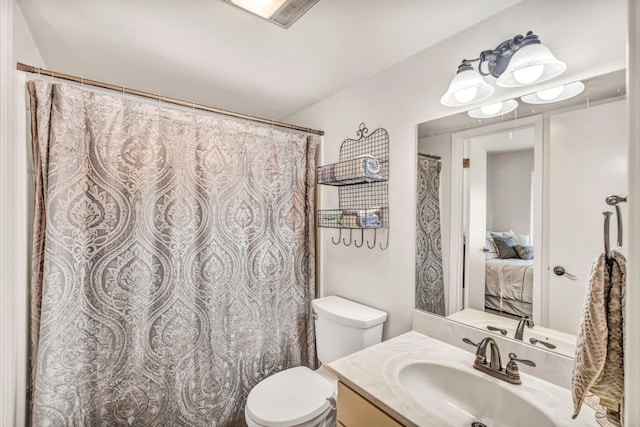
(478, 424)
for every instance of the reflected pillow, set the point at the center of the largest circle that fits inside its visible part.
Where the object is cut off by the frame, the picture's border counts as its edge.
(524, 252)
(504, 246)
(491, 250)
(518, 239)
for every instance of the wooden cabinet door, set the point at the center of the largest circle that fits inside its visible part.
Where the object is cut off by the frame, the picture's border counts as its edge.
(356, 411)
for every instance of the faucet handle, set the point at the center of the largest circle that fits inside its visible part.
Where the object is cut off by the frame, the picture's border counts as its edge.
(468, 341)
(514, 357)
(512, 370)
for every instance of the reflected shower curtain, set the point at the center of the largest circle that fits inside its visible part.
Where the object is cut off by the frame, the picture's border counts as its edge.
(173, 261)
(429, 274)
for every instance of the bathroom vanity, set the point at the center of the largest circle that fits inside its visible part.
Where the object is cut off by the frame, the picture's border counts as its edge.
(416, 380)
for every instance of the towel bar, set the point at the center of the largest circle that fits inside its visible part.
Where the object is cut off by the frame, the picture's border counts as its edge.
(612, 200)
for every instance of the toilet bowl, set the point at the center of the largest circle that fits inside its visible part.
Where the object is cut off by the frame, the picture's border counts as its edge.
(301, 397)
(293, 397)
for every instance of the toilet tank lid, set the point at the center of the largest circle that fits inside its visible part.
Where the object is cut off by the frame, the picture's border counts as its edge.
(348, 312)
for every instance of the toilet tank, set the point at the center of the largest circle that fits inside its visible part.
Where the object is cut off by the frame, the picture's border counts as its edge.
(344, 327)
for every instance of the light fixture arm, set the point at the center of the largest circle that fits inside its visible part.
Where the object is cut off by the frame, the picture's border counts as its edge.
(498, 59)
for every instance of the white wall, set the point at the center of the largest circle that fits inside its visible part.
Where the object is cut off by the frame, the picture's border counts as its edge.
(16, 45)
(509, 191)
(407, 94)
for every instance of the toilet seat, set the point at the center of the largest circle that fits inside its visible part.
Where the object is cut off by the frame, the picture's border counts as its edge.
(289, 398)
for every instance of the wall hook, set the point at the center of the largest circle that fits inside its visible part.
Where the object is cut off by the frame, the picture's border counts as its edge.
(339, 238)
(387, 245)
(375, 238)
(361, 239)
(350, 238)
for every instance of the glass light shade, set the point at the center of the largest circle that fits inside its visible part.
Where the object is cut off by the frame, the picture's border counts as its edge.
(488, 111)
(491, 109)
(264, 8)
(465, 95)
(531, 64)
(466, 87)
(528, 75)
(550, 94)
(563, 92)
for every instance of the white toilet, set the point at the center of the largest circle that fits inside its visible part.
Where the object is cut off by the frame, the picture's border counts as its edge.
(301, 397)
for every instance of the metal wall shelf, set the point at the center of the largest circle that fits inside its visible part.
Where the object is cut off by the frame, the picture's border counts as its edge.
(362, 177)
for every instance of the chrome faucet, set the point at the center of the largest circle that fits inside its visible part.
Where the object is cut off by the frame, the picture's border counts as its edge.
(481, 354)
(524, 320)
(494, 368)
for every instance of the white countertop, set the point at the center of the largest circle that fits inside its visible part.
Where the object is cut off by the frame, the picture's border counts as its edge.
(371, 373)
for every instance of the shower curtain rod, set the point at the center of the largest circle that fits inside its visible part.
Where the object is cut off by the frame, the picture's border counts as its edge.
(158, 97)
(431, 156)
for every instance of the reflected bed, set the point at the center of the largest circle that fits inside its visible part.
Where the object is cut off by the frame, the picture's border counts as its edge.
(509, 286)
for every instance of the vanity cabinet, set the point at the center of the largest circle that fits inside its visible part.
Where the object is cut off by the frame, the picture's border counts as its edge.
(356, 411)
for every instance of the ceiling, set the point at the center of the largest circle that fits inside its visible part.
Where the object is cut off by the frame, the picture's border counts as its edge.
(213, 53)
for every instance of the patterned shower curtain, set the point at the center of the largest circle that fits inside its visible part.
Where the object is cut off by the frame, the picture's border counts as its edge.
(429, 274)
(173, 261)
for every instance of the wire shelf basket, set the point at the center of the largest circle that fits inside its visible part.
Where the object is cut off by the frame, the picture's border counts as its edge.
(362, 178)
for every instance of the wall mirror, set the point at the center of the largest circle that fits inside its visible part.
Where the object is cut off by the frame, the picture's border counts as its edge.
(509, 214)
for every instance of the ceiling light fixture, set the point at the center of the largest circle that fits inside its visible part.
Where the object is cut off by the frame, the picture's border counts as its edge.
(554, 94)
(494, 110)
(280, 12)
(521, 61)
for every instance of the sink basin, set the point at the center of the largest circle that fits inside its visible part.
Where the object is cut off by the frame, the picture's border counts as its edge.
(462, 396)
(422, 381)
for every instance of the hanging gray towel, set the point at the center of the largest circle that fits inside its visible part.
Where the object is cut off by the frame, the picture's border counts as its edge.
(599, 363)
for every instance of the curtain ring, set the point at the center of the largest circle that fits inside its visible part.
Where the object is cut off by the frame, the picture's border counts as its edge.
(82, 82)
(53, 75)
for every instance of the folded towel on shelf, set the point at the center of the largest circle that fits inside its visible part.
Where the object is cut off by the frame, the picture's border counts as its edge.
(361, 212)
(331, 219)
(327, 174)
(361, 218)
(371, 221)
(598, 365)
(361, 222)
(330, 222)
(335, 214)
(349, 221)
(361, 167)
